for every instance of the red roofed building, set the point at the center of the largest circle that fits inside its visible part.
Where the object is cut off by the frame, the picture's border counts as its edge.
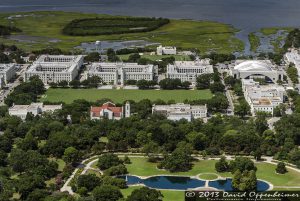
(110, 111)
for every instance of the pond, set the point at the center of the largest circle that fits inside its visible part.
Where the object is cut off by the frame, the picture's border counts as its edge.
(166, 182)
(115, 45)
(184, 183)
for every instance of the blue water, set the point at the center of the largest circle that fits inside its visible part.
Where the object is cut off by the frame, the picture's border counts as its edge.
(244, 14)
(225, 185)
(184, 183)
(166, 182)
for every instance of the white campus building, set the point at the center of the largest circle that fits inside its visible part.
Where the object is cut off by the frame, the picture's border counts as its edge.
(251, 69)
(34, 108)
(7, 72)
(189, 70)
(119, 73)
(293, 56)
(179, 111)
(160, 50)
(263, 98)
(55, 68)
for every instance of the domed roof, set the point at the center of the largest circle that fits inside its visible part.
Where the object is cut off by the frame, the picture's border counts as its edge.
(254, 66)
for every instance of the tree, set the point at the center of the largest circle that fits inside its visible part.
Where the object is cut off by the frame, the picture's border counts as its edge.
(242, 109)
(89, 181)
(242, 164)
(230, 81)
(170, 83)
(179, 160)
(198, 140)
(111, 55)
(145, 194)
(279, 110)
(261, 122)
(37, 195)
(134, 58)
(92, 57)
(108, 160)
(222, 165)
(186, 84)
(127, 160)
(27, 183)
(3, 159)
(281, 169)
(74, 84)
(71, 155)
(116, 170)
(142, 84)
(218, 103)
(107, 193)
(63, 83)
(29, 142)
(217, 87)
(203, 81)
(114, 181)
(244, 181)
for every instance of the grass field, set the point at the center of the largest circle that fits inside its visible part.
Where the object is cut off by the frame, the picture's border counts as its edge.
(265, 171)
(47, 25)
(119, 96)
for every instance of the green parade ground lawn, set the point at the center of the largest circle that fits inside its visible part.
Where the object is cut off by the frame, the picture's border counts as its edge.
(121, 95)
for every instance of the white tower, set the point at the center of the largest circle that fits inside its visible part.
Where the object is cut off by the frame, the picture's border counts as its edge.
(98, 46)
(127, 109)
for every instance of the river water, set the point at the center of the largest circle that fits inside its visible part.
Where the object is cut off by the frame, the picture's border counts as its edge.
(247, 15)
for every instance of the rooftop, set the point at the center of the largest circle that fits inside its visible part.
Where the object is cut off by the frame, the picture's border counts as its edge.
(254, 65)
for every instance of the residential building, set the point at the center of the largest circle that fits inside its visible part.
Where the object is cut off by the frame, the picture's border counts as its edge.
(119, 73)
(251, 69)
(34, 108)
(7, 72)
(110, 111)
(55, 68)
(189, 70)
(262, 98)
(160, 50)
(179, 111)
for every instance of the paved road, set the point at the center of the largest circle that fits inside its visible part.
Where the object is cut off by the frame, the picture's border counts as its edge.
(10, 86)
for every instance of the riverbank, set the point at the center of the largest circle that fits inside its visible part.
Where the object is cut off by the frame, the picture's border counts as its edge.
(44, 29)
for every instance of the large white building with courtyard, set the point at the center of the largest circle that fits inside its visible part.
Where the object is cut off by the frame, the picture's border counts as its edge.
(179, 111)
(262, 98)
(251, 69)
(118, 73)
(7, 72)
(189, 70)
(55, 68)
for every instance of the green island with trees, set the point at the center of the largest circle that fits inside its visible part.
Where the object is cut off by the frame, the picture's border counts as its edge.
(112, 25)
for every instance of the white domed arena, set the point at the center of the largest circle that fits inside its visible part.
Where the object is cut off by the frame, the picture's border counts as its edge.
(250, 69)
